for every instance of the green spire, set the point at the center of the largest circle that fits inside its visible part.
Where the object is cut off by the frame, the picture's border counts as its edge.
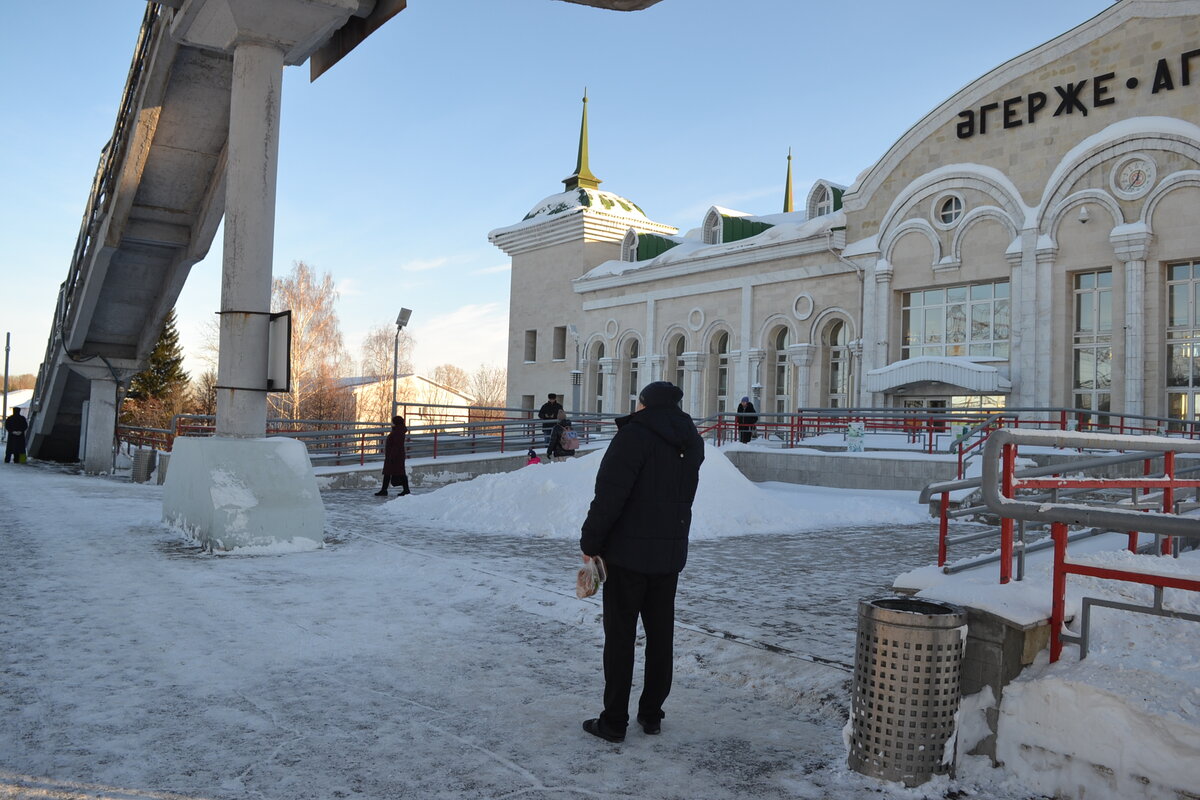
(787, 189)
(583, 177)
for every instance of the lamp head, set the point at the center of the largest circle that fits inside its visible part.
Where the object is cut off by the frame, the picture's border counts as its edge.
(402, 319)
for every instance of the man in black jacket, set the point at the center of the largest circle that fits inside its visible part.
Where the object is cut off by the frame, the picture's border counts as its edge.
(549, 410)
(638, 523)
(16, 426)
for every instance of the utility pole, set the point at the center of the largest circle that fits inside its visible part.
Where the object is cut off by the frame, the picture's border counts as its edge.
(7, 347)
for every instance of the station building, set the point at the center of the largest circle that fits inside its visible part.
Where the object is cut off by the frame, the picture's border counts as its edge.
(1032, 242)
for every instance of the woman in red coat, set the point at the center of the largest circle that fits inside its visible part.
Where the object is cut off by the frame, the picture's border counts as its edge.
(393, 459)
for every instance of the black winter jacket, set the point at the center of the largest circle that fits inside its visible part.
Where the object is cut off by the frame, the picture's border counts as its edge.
(640, 516)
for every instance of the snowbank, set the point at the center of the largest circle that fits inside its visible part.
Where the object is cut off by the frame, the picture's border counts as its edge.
(552, 500)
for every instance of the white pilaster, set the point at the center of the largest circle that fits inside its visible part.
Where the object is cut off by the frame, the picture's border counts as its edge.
(693, 393)
(1131, 247)
(802, 356)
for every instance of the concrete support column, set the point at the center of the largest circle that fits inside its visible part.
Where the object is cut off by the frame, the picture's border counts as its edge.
(802, 357)
(1132, 247)
(249, 239)
(693, 376)
(101, 425)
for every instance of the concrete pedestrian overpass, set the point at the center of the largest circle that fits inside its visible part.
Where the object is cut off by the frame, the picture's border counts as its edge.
(196, 140)
(161, 190)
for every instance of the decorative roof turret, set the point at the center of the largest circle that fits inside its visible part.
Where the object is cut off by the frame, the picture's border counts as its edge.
(582, 177)
(787, 190)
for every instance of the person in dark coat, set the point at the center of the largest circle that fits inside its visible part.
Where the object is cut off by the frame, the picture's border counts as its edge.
(16, 425)
(393, 459)
(549, 410)
(555, 450)
(638, 523)
(747, 418)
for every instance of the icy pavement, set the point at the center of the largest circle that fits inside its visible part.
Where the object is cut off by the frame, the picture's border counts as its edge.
(407, 662)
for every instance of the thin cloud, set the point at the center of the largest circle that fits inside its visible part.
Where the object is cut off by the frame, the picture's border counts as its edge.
(493, 270)
(732, 201)
(424, 264)
(468, 336)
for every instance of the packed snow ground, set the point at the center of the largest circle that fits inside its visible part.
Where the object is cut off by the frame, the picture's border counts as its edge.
(434, 649)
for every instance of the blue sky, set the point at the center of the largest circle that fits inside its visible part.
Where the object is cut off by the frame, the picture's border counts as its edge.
(458, 116)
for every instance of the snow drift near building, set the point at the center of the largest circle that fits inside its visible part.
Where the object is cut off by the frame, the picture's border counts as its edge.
(551, 500)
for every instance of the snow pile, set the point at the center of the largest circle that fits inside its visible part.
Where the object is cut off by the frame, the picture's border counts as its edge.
(1130, 711)
(1125, 721)
(552, 500)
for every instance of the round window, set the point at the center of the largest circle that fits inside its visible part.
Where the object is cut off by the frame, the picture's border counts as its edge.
(949, 210)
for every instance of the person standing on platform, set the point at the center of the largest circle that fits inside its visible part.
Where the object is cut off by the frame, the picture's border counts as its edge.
(638, 524)
(747, 418)
(393, 459)
(16, 425)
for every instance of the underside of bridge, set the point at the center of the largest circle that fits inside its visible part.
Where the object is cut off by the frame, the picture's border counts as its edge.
(157, 199)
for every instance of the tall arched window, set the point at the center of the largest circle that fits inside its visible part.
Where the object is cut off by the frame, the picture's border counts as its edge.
(598, 377)
(781, 383)
(720, 360)
(675, 367)
(838, 365)
(631, 366)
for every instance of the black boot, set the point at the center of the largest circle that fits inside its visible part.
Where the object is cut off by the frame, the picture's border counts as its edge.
(383, 491)
(404, 486)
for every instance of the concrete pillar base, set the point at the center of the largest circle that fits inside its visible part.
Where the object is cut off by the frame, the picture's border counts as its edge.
(99, 426)
(244, 493)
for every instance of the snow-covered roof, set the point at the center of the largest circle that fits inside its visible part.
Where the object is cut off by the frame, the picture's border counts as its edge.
(789, 227)
(953, 370)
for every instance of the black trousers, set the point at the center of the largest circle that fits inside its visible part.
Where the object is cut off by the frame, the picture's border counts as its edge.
(14, 448)
(628, 595)
(400, 480)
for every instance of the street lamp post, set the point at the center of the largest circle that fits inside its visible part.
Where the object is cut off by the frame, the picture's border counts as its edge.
(401, 321)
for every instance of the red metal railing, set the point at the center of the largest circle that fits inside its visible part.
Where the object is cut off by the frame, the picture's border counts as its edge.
(1063, 568)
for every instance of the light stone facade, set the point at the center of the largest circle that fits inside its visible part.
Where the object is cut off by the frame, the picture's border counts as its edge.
(1032, 240)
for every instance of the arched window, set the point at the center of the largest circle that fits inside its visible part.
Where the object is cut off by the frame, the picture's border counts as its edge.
(720, 360)
(822, 202)
(675, 367)
(781, 383)
(711, 232)
(838, 365)
(598, 378)
(631, 366)
(629, 245)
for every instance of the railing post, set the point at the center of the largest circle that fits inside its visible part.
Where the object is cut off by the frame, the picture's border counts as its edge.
(943, 528)
(1058, 530)
(1168, 495)
(1006, 524)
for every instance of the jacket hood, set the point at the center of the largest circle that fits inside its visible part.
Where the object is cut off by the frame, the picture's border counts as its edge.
(669, 423)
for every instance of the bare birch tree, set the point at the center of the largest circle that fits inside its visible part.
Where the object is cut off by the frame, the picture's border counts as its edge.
(488, 384)
(317, 353)
(452, 377)
(375, 400)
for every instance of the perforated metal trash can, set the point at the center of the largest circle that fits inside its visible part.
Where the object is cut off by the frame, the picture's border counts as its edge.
(907, 665)
(163, 460)
(143, 465)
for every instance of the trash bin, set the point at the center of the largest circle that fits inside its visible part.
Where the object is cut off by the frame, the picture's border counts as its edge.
(907, 665)
(143, 464)
(163, 460)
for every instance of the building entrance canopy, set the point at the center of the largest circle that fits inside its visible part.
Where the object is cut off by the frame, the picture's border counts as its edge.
(973, 377)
